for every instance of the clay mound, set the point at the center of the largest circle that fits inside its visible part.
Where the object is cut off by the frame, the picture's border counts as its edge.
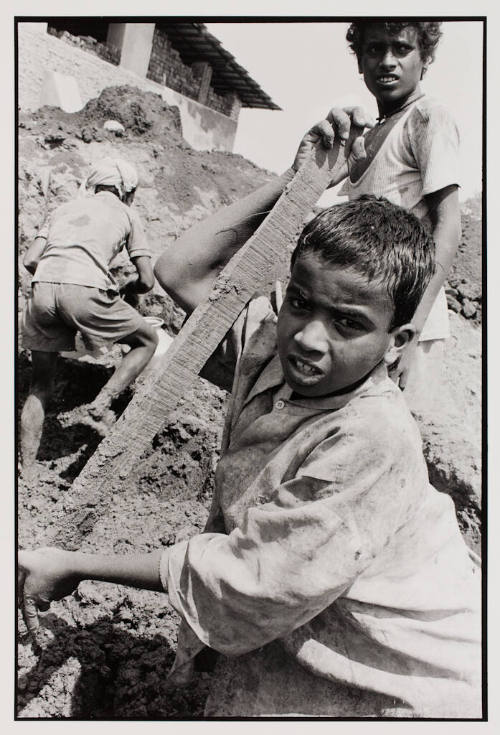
(141, 113)
(144, 115)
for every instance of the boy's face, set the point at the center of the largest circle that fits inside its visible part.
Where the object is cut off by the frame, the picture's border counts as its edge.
(391, 64)
(334, 328)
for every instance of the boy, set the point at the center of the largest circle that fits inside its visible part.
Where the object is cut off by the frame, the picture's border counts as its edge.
(331, 575)
(73, 290)
(412, 160)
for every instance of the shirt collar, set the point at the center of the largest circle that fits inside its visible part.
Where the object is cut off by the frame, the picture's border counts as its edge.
(272, 377)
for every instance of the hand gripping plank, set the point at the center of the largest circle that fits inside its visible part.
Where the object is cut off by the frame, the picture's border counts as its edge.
(261, 258)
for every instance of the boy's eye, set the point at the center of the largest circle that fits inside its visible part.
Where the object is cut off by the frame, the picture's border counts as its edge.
(347, 323)
(402, 49)
(296, 301)
(378, 49)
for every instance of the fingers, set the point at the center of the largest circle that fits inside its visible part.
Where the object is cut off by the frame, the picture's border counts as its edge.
(360, 117)
(338, 124)
(28, 600)
(358, 148)
(399, 375)
(341, 122)
(343, 118)
(323, 131)
(403, 379)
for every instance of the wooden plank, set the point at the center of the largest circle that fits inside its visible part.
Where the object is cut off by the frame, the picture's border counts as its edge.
(149, 410)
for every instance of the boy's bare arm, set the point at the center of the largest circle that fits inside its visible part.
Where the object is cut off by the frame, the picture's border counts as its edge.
(444, 212)
(188, 268)
(145, 277)
(50, 574)
(190, 265)
(34, 253)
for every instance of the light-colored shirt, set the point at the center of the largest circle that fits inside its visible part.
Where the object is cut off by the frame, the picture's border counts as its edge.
(419, 156)
(84, 236)
(326, 534)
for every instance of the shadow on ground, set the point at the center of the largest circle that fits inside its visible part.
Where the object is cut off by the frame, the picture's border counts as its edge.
(102, 672)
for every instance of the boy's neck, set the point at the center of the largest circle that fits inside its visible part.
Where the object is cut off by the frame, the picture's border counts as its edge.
(348, 388)
(389, 109)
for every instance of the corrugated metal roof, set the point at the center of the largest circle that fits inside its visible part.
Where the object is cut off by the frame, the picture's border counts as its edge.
(195, 43)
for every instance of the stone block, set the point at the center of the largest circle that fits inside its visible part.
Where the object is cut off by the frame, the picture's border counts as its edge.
(60, 90)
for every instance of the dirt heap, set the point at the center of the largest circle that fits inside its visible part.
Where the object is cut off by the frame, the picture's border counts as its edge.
(108, 648)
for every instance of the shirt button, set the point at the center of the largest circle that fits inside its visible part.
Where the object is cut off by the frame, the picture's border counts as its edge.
(279, 404)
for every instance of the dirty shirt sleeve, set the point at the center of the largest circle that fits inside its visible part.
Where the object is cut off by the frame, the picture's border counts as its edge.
(137, 244)
(293, 556)
(434, 140)
(220, 368)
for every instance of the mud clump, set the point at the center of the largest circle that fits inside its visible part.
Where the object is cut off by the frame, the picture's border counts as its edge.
(147, 115)
(142, 114)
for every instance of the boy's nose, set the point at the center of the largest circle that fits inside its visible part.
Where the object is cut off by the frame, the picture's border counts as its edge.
(388, 59)
(312, 337)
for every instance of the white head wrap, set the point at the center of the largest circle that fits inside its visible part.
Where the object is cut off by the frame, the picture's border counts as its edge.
(112, 172)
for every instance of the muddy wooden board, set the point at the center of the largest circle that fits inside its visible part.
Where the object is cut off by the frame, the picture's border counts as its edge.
(149, 410)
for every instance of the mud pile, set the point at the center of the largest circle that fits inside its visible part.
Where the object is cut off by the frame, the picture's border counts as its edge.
(108, 648)
(464, 292)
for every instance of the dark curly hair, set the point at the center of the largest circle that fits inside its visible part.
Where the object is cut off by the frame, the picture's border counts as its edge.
(428, 35)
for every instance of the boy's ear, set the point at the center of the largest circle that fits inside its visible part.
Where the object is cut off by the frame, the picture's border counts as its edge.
(360, 70)
(400, 338)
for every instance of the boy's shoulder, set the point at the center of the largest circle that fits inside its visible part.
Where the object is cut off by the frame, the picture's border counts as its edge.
(258, 321)
(429, 108)
(379, 413)
(373, 433)
(251, 341)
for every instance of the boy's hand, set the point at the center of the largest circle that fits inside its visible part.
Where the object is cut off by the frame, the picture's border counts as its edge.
(337, 124)
(129, 292)
(43, 575)
(399, 372)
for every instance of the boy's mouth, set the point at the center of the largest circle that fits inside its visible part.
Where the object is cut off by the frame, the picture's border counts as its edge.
(387, 80)
(303, 371)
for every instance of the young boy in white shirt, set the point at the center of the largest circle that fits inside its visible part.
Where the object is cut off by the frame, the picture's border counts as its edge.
(331, 576)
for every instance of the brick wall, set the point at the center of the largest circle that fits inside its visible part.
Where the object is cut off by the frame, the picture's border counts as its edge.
(103, 50)
(221, 104)
(166, 67)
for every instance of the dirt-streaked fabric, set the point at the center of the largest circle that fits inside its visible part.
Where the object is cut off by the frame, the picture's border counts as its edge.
(55, 312)
(326, 535)
(83, 237)
(419, 156)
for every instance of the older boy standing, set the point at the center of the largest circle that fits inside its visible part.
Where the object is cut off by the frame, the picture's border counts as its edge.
(412, 160)
(73, 290)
